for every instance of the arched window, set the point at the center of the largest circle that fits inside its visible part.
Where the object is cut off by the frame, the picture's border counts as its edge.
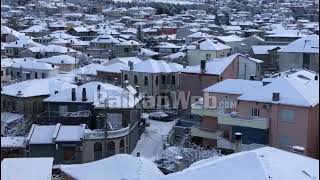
(122, 146)
(111, 150)
(97, 151)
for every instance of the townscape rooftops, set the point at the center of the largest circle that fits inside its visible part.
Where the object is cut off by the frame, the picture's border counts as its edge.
(156, 66)
(234, 86)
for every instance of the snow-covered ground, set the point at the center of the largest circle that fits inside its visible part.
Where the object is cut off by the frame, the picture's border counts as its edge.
(150, 143)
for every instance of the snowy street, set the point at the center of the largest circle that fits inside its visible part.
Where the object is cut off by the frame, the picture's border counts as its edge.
(150, 143)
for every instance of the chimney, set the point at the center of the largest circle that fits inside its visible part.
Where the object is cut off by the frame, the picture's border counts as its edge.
(52, 65)
(137, 89)
(130, 63)
(73, 94)
(178, 163)
(84, 94)
(316, 78)
(203, 66)
(299, 150)
(238, 142)
(275, 96)
(56, 92)
(138, 154)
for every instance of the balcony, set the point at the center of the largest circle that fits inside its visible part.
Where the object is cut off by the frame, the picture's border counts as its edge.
(198, 109)
(199, 131)
(101, 133)
(244, 121)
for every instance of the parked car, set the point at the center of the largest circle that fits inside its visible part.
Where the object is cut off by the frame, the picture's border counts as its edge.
(160, 116)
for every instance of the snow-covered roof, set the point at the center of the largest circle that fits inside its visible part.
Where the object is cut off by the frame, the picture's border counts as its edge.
(59, 59)
(106, 38)
(7, 30)
(230, 38)
(199, 35)
(8, 117)
(174, 56)
(132, 168)
(147, 52)
(90, 69)
(258, 164)
(156, 66)
(115, 68)
(35, 87)
(51, 48)
(213, 67)
(129, 43)
(49, 134)
(263, 49)
(26, 168)
(34, 65)
(34, 29)
(109, 96)
(124, 60)
(13, 142)
(297, 91)
(208, 45)
(307, 44)
(234, 86)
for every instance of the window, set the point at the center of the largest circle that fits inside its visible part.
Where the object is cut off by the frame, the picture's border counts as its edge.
(306, 61)
(18, 74)
(173, 79)
(63, 109)
(1, 73)
(35, 75)
(255, 112)
(287, 116)
(208, 56)
(43, 75)
(135, 77)
(28, 75)
(114, 121)
(163, 79)
(97, 148)
(111, 150)
(125, 77)
(286, 141)
(157, 80)
(126, 50)
(7, 72)
(122, 146)
(69, 153)
(146, 81)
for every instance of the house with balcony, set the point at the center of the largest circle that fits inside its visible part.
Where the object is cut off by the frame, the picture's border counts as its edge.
(102, 46)
(281, 111)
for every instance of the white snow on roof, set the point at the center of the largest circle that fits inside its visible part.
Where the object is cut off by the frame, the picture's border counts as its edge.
(124, 60)
(13, 142)
(293, 91)
(7, 30)
(59, 59)
(307, 44)
(115, 68)
(147, 52)
(209, 45)
(8, 117)
(234, 86)
(175, 56)
(26, 168)
(32, 65)
(36, 87)
(131, 168)
(230, 38)
(106, 38)
(90, 69)
(70, 133)
(258, 164)
(263, 49)
(199, 35)
(35, 29)
(213, 67)
(156, 66)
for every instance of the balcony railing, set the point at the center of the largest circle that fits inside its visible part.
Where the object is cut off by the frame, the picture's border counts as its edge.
(200, 131)
(199, 109)
(244, 121)
(102, 134)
